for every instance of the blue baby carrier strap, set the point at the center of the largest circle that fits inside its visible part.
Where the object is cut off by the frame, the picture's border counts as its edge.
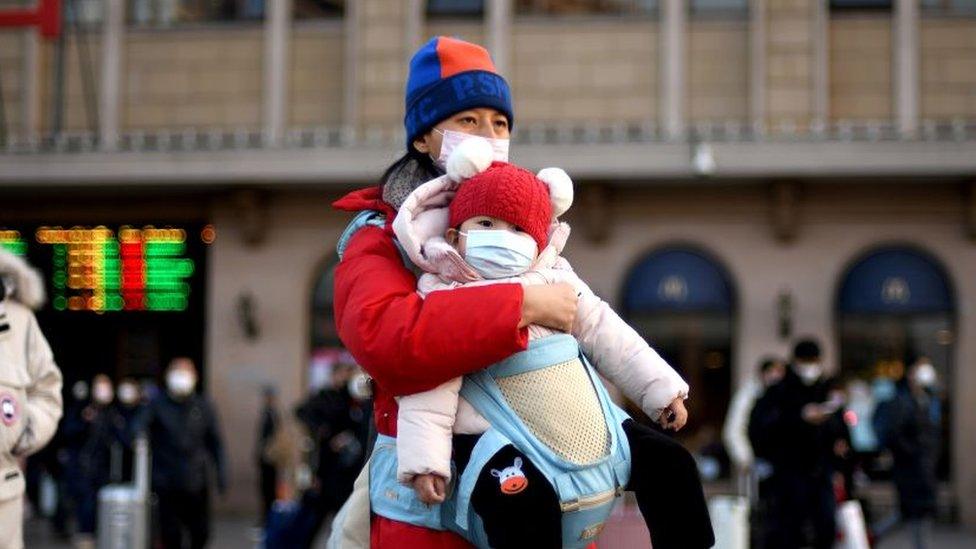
(391, 499)
(370, 218)
(586, 491)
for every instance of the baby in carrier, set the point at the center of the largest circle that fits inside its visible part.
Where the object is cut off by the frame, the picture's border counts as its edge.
(492, 222)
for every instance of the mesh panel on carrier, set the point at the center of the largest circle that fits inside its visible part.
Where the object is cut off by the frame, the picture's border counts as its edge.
(560, 406)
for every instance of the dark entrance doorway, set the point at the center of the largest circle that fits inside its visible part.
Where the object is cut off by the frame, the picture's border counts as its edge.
(682, 302)
(895, 305)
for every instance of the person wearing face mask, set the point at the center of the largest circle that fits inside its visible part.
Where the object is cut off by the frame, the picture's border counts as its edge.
(501, 227)
(267, 472)
(129, 406)
(30, 388)
(793, 427)
(910, 425)
(335, 419)
(187, 456)
(96, 431)
(405, 343)
(735, 432)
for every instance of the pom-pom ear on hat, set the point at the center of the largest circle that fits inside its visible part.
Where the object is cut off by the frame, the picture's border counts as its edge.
(471, 157)
(560, 189)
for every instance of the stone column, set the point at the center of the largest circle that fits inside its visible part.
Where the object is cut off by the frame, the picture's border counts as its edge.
(277, 36)
(674, 23)
(109, 98)
(905, 49)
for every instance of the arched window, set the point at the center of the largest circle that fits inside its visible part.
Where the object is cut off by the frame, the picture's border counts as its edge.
(682, 302)
(326, 349)
(894, 305)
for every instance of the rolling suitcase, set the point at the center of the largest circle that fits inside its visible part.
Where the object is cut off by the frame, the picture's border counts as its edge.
(730, 520)
(850, 523)
(123, 509)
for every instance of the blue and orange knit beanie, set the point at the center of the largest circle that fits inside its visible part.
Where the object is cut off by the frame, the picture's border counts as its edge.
(447, 76)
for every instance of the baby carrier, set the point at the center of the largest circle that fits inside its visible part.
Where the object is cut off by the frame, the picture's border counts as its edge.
(549, 404)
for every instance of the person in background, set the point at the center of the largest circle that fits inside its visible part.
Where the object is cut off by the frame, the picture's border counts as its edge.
(335, 421)
(69, 449)
(735, 434)
(267, 472)
(128, 404)
(187, 452)
(30, 388)
(94, 432)
(909, 425)
(789, 428)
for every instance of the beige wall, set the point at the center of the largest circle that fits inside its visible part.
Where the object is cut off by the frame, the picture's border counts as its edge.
(80, 113)
(472, 30)
(582, 70)
(383, 65)
(301, 231)
(194, 77)
(12, 79)
(575, 69)
(860, 67)
(948, 66)
(789, 63)
(316, 76)
(718, 70)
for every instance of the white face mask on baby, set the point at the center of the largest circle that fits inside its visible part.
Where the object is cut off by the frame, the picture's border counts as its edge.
(499, 254)
(451, 140)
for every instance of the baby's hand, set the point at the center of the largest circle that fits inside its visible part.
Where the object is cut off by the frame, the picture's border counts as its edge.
(430, 488)
(674, 416)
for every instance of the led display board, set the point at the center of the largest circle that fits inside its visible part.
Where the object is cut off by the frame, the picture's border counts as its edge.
(101, 269)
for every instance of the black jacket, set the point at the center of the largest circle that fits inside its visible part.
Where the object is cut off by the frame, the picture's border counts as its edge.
(910, 428)
(268, 426)
(780, 435)
(92, 432)
(329, 414)
(185, 440)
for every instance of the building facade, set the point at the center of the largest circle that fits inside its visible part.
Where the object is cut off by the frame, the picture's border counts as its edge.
(746, 173)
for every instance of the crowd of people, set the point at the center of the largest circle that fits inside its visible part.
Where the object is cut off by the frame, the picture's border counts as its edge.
(792, 431)
(93, 448)
(307, 460)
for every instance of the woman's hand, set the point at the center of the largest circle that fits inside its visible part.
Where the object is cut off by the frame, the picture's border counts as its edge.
(674, 416)
(430, 488)
(552, 306)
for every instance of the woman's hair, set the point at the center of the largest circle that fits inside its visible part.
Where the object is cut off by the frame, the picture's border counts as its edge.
(422, 161)
(406, 174)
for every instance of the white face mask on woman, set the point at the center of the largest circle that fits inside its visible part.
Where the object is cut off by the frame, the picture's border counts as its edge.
(925, 375)
(102, 393)
(180, 382)
(809, 372)
(128, 393)
(451, 140)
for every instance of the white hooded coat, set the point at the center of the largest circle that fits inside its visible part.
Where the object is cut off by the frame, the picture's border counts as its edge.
(30, 388)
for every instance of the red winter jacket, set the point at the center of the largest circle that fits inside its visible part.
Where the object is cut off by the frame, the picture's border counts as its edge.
(406, 343)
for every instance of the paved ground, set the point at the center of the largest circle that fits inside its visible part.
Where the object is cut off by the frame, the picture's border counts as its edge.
(625, 530)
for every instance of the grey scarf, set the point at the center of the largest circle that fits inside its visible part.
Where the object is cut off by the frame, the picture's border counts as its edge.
(404, 179)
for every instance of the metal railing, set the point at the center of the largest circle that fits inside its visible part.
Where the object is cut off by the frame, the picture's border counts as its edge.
(730, 131)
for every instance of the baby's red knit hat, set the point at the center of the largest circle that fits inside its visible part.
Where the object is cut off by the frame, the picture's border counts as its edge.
(509, 193)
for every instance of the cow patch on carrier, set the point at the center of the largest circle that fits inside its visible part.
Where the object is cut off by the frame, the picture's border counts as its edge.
(511, 479)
